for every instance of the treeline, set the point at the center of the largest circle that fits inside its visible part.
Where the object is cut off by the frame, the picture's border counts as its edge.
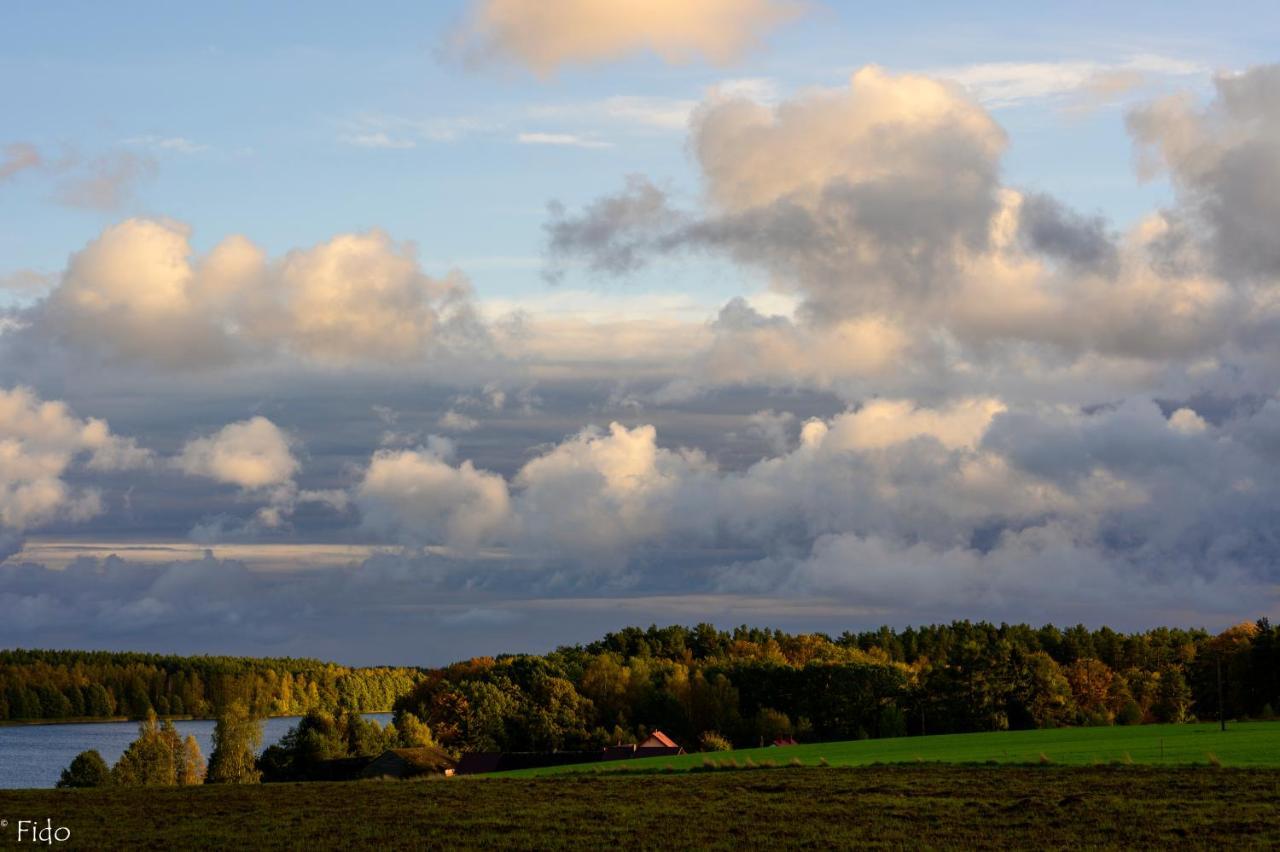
(749, 685)
(160, 757)
(37, 685)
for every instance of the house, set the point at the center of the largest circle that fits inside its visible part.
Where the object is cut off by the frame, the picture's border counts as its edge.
(656, 744)
(657, 740)
(409, 763)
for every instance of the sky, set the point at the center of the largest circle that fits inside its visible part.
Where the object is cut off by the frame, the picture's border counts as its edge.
(423, 331)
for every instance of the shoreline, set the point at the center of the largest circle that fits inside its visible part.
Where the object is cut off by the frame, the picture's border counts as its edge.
(93, 720)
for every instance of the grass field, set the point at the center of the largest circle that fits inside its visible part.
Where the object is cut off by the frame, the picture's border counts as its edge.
(1244, 744)
(887, 806)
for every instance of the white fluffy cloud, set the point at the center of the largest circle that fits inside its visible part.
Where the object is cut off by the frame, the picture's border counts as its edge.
(417, 497)
(252, 454)
(256, 456)
(543, 35)
(39, 442)
(139, 292)
(599, 491)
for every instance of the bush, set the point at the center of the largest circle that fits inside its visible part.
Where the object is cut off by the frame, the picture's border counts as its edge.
(892, 722)
(713, 741)
(88, 769)
(1098, 719)
(1130, 714)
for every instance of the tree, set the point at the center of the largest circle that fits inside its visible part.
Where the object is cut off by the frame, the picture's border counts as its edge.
(1173, 696)
(772, 725)
(87, 769)
(236, 739)
(149, 761)
(412, 732)
(191, 766)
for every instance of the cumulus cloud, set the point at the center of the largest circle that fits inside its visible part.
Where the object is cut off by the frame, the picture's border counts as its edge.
(1130, 513)
(1225, 163)
(861, 198)
(256, 456)
(545, 35)
(139, 292)
(969, 504)
(417, 497)
(39, 442)
(251, 454)
(880, 207)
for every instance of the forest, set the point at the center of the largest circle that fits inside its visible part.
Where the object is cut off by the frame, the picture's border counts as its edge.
(52, 685)
(710, 688)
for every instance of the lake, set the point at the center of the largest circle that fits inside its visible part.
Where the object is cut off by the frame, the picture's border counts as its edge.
(35, 755)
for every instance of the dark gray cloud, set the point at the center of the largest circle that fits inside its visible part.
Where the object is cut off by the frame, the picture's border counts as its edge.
(615, 234)
(1053, 229)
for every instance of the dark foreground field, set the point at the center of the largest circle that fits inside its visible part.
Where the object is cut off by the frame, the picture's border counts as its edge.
(939, 806)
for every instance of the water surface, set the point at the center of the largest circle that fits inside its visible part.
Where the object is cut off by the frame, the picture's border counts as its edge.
(35, 755)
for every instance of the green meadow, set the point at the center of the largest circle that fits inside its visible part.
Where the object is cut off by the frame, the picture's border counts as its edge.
(1244, 744)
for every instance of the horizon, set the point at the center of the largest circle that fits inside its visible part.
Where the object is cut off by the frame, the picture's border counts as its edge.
(434, 333)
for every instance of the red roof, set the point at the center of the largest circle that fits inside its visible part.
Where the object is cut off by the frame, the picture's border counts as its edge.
(657, 738)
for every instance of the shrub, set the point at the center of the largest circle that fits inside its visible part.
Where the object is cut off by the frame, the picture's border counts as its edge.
(772, 724)
(713, 741)
(1130, 714)
(88, 769)
(1267, 713)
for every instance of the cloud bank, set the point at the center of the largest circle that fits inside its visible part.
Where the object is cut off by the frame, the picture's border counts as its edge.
(957, 398)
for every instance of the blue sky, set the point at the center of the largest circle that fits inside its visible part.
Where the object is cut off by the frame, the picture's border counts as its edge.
(258, 102)
(883, 313)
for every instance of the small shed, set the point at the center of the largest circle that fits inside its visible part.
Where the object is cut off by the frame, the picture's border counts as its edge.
(410, 763)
